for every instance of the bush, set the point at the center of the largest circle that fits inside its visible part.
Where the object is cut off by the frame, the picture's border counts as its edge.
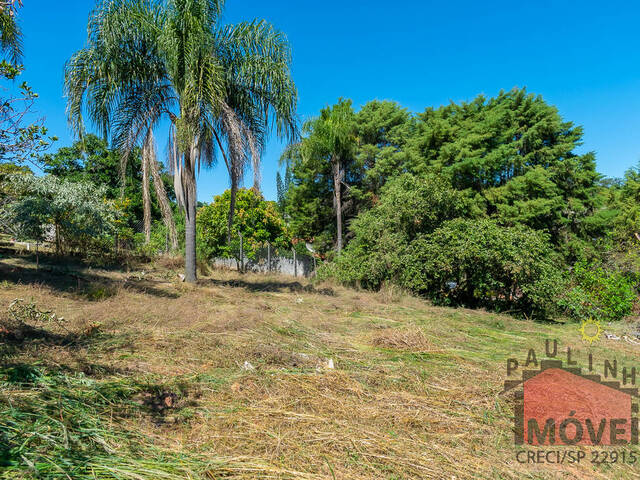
(599, 293)
(482, 264)
(76, 213)
(409, 206)
(417, 239)
(256, 219)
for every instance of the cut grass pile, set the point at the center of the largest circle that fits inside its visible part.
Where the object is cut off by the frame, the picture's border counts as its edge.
(139, 376)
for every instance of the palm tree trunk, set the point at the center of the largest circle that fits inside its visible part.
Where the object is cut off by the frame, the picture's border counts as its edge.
(184, 183)
(190, 201)
(190, 239)
(190, 233)
(232, 206)
(338, 200)
(146, 195)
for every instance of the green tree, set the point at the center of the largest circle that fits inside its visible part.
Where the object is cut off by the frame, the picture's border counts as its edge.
(627, 201)
(257, 220)
(506, 165)
(282, 187)
(383, 131)
(375, 151)
(220, 87)
(8, 191)
(409, 207)
(515, 153)
(91, 160)
(78, 211)
(330, 142)
(479, 263)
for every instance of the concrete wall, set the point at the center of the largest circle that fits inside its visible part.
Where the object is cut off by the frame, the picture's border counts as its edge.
(303, 267)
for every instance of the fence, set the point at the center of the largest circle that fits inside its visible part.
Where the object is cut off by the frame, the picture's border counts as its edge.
(270, 260)
(263, 260)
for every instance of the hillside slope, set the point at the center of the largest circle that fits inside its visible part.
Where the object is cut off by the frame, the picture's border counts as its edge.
(148, 378)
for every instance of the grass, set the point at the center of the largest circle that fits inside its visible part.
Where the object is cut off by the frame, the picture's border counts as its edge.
(139, 376)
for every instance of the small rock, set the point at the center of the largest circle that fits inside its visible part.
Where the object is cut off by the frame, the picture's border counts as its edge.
(181, 277)
(248, 366)
(299, 300)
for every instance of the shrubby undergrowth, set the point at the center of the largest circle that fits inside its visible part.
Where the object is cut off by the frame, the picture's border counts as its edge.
(597, 292)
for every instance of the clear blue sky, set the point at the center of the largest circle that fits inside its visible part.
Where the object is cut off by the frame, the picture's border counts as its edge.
(582, 56)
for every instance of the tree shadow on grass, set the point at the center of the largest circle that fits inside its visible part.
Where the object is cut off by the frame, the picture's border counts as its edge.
(269, 286)
(20, 340)
(82, 284)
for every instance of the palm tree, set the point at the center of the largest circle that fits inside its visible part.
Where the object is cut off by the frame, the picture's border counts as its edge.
(10, 33)
(332, 138)
(220, 89)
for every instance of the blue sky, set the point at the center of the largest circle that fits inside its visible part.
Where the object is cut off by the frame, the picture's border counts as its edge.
(584, 57)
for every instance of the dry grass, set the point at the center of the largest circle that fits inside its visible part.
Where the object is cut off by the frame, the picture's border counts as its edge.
(240, 368)
(412, 340)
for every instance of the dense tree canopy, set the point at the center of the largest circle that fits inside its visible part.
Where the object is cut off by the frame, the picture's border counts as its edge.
(515, 155)
(512, 155)
(369, 150)
(415, 186)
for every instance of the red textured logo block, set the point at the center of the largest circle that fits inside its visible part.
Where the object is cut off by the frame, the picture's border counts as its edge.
(562, 408)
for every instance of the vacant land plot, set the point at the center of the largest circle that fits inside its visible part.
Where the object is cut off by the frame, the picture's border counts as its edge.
(137, 376)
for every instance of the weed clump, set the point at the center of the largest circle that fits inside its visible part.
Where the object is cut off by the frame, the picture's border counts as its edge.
(24, 318)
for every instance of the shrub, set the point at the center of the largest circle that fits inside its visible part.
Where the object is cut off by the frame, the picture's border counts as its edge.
(77, 212)
(256, 219)
(478, 263)
(409, 206)
(597, 292)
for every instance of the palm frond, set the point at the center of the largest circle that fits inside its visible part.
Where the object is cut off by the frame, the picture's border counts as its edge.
(10, 35)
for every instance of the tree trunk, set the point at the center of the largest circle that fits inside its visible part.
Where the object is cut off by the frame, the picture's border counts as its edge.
(338, 200)
(232, 206)
(146, 195)
(184, 182)
(190, 227)
(57, 239)
(161, 194)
